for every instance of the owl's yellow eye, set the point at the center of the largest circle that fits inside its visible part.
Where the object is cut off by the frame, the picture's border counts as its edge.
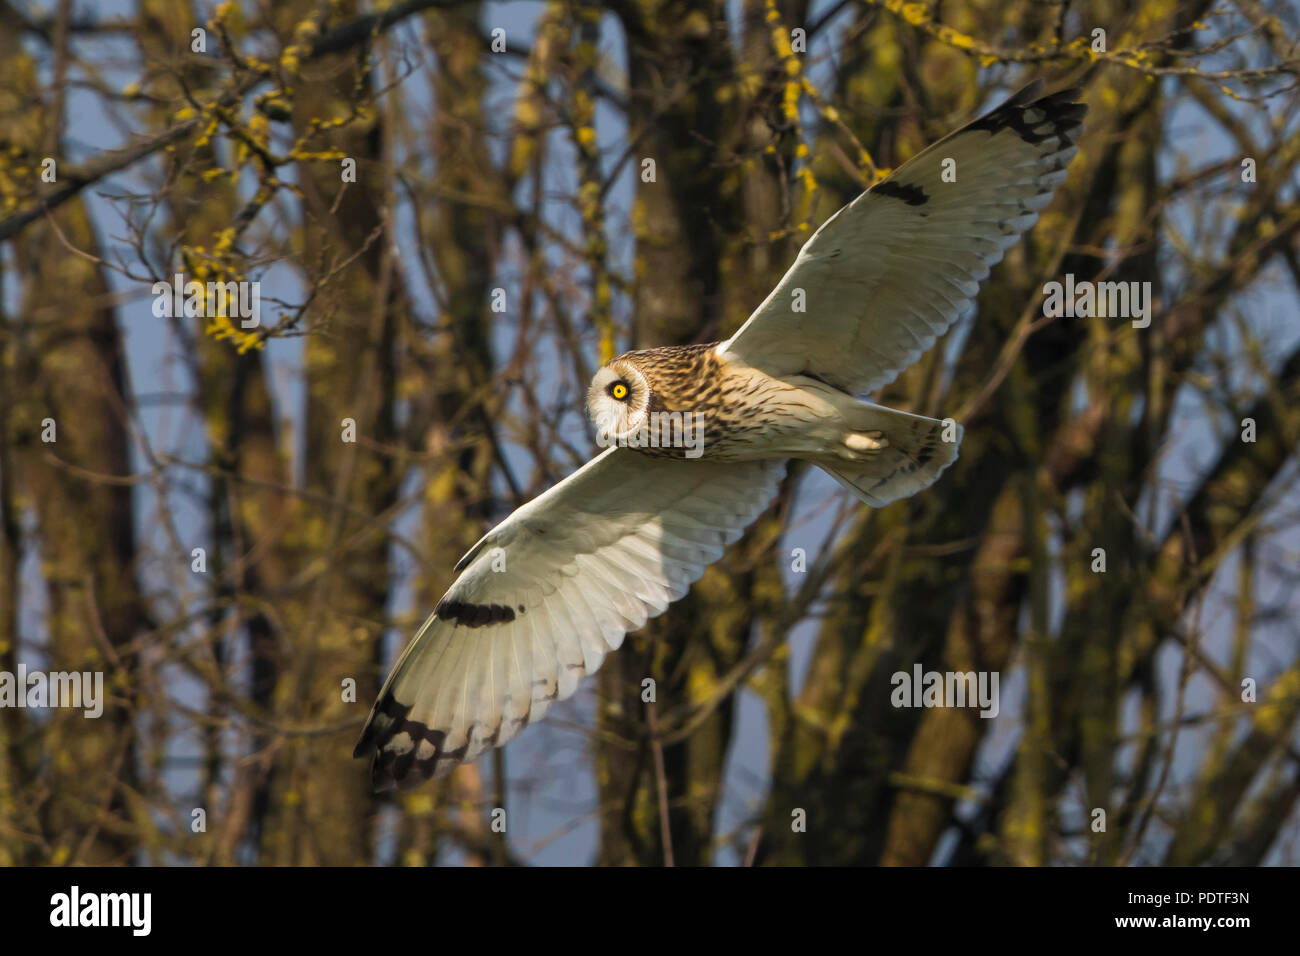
(618, 391)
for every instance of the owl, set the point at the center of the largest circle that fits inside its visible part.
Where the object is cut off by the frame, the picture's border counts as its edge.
(697, 438)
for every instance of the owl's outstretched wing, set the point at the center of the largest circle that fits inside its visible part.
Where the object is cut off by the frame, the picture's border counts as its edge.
(546, 594)
(895, 268)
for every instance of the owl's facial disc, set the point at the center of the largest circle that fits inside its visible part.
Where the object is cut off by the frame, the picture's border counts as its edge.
(617, 401)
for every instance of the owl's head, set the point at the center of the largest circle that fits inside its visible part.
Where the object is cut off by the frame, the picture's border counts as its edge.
(618, 400)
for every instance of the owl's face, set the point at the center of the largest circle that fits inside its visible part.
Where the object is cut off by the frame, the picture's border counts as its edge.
(618, 400)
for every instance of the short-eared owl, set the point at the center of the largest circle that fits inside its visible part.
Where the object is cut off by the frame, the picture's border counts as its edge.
(545, 595)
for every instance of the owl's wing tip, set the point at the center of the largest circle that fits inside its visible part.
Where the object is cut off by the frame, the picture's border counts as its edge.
(364, 745)
(1036, 118)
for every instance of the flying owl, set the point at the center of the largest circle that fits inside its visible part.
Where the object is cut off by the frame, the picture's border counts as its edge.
(545, 595)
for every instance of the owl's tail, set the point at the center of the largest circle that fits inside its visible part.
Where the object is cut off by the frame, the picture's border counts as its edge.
(918, 451)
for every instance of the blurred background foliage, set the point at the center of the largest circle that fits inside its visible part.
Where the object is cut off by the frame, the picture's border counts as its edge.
(504, 147)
